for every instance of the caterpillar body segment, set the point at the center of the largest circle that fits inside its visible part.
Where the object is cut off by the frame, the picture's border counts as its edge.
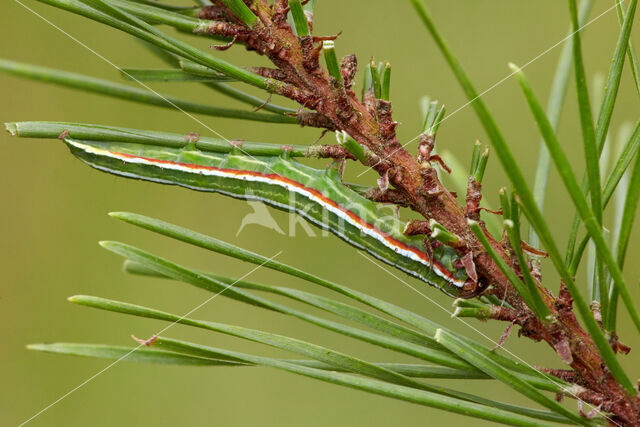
(317, 195)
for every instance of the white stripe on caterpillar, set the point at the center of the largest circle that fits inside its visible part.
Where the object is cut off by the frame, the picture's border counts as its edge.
(292, 186)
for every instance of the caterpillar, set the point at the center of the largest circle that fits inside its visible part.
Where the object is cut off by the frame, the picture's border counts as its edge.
(279, 181)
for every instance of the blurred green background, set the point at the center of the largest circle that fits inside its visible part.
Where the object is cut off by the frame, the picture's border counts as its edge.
(54, 211)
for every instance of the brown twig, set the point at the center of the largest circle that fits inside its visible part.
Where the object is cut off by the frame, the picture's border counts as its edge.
(414, 183)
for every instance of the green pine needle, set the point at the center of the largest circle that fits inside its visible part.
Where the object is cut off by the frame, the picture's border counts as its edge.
(124, 21)
(241, 11)
(498, 372)
(216, 285)
(331, 59)
(338, 360)
(299, 18)
(629, 210)
(501, 263)
(631, 51)
(134, 94)
(512, 226)
(615, 75)
(374, 69)
(433, 117)
(554, 110)
(320, 372)
(168, 75)
(622, 164)
(177, 352)
(386, 82)
(591, 151)
(92, 132)
(564, 168)
(525, 195)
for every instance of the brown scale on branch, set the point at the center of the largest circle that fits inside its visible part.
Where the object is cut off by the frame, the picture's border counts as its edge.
(311, 55)
(417, 228)
(385, 120)
(565, 375)
(314, 119)
(474, 197)
(271, 73)
(280, 10)
(426, 144)
(227, 46)
(389, 196)
(329, 152)
(348, 69)
(306, 98)
(369, 102)
(617, 346)
(216, 12)
(234, 31)
(414, 183)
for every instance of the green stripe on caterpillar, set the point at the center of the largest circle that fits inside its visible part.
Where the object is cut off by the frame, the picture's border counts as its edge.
(317, 195)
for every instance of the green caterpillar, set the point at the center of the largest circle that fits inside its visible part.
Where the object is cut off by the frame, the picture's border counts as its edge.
(317, 195)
